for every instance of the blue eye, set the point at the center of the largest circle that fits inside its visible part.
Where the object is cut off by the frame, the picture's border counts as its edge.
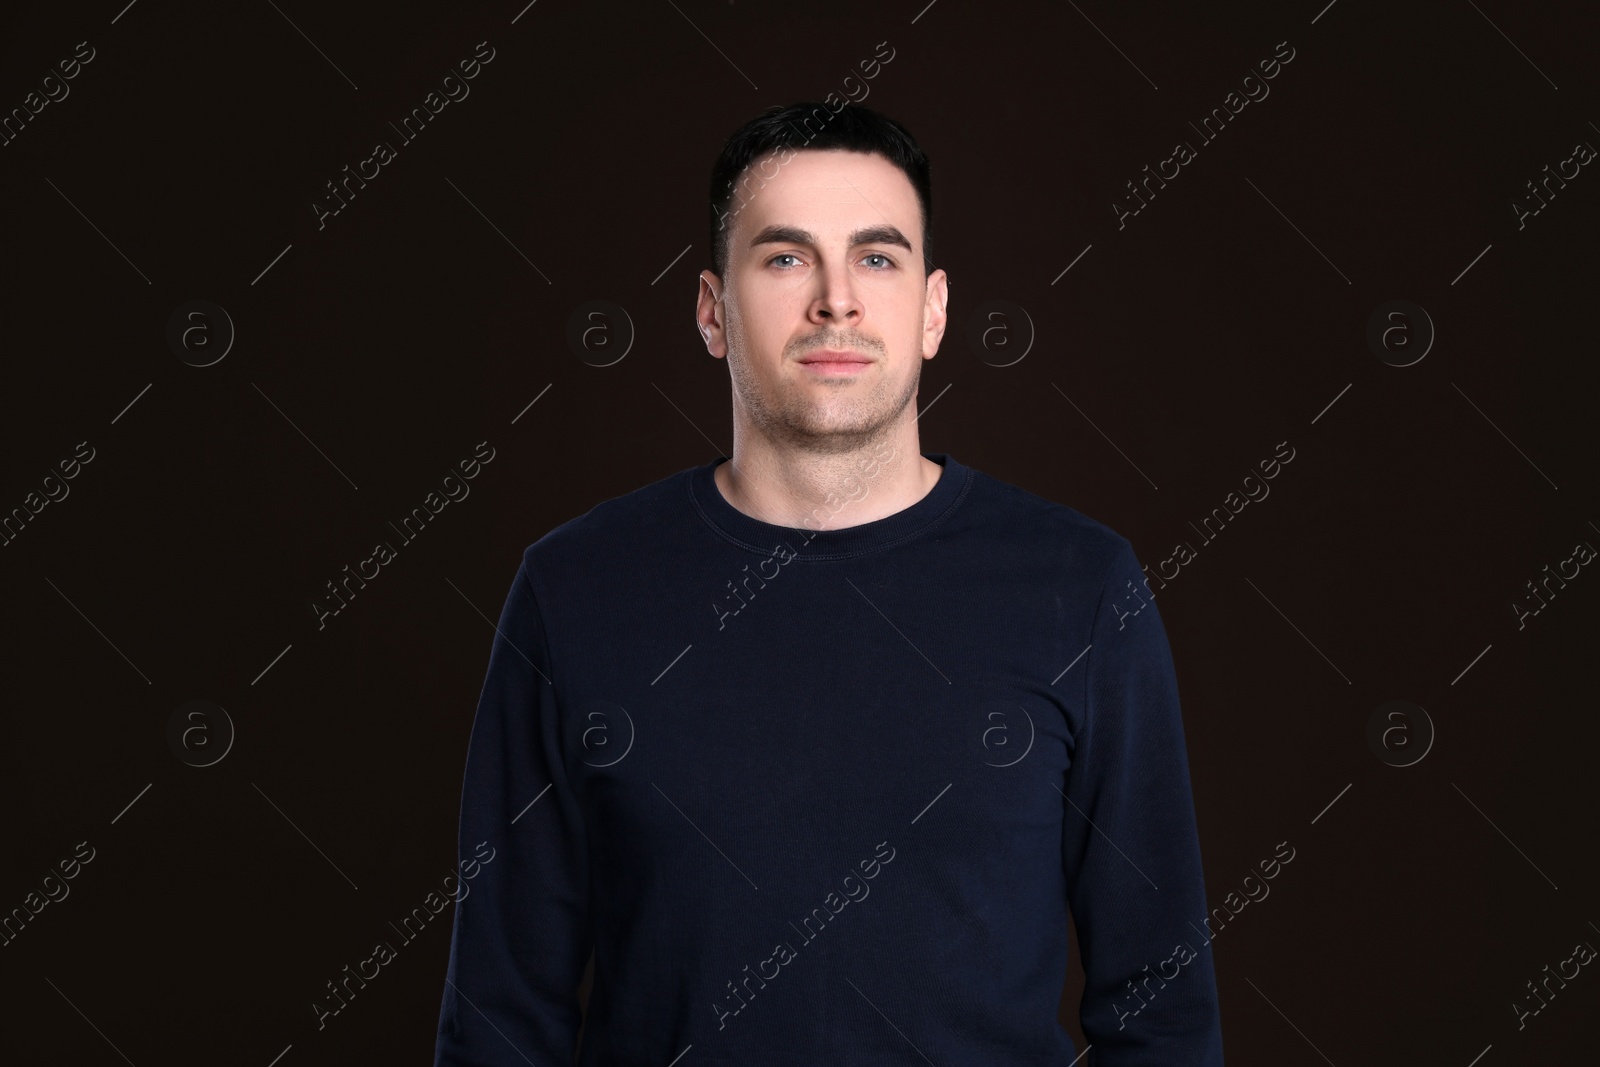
(887, 262)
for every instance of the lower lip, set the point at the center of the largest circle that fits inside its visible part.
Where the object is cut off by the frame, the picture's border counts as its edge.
(832, 369)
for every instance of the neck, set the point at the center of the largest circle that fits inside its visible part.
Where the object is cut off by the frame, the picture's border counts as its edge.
(827, 490)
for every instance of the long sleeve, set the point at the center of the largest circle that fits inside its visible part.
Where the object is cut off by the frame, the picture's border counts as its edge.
(1130, 847)
(521, 934)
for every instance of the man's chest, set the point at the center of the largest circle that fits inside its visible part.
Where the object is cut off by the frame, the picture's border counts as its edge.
(854, 704)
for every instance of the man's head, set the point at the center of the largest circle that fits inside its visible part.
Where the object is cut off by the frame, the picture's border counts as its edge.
(820, 226)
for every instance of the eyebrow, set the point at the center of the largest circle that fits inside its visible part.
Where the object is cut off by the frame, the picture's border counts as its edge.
(884, 235)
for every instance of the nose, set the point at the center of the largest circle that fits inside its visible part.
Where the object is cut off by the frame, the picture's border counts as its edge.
(836, 299)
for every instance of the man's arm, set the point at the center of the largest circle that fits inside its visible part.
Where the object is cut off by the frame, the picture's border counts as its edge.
(522, 931)
(1130, 849)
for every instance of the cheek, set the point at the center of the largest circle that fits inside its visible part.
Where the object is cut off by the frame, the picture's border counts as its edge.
(907, 346)
(767, 331)
(906, 315)
(746, 338)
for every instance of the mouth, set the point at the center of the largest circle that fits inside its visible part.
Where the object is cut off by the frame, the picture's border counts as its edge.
(833, 362)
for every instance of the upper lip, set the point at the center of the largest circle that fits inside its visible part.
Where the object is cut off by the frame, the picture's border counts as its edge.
(835, 355)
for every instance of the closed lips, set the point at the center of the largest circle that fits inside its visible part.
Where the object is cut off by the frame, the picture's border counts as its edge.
(835, 357)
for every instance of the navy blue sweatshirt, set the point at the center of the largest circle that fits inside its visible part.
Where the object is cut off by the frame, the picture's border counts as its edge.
(826, 796)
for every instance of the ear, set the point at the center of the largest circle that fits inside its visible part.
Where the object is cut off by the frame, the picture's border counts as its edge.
(935, 312)
(708, 314)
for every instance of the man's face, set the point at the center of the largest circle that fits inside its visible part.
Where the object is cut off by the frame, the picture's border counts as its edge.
(827, 255)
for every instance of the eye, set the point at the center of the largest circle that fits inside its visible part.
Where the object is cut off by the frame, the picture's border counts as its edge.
(879, 255)
(781, 255)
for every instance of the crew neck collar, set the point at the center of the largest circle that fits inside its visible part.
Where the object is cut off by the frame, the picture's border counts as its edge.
(762, 537)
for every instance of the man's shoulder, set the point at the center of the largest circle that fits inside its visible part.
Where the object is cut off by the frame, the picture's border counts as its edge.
(618, 523)
(1049, 523)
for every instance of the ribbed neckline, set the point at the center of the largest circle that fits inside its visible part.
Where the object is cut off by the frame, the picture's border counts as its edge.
(762, 537)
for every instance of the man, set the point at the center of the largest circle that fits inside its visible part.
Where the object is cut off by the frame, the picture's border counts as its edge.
(815, 745)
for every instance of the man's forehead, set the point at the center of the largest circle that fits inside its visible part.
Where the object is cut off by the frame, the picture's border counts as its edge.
(832, 195)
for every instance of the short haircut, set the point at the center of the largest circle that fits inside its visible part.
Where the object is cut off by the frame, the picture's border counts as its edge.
(813, 125)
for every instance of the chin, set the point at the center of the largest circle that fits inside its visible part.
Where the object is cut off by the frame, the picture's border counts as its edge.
(843, 435)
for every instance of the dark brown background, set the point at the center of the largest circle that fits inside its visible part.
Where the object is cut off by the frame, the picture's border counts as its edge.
(407, 330)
